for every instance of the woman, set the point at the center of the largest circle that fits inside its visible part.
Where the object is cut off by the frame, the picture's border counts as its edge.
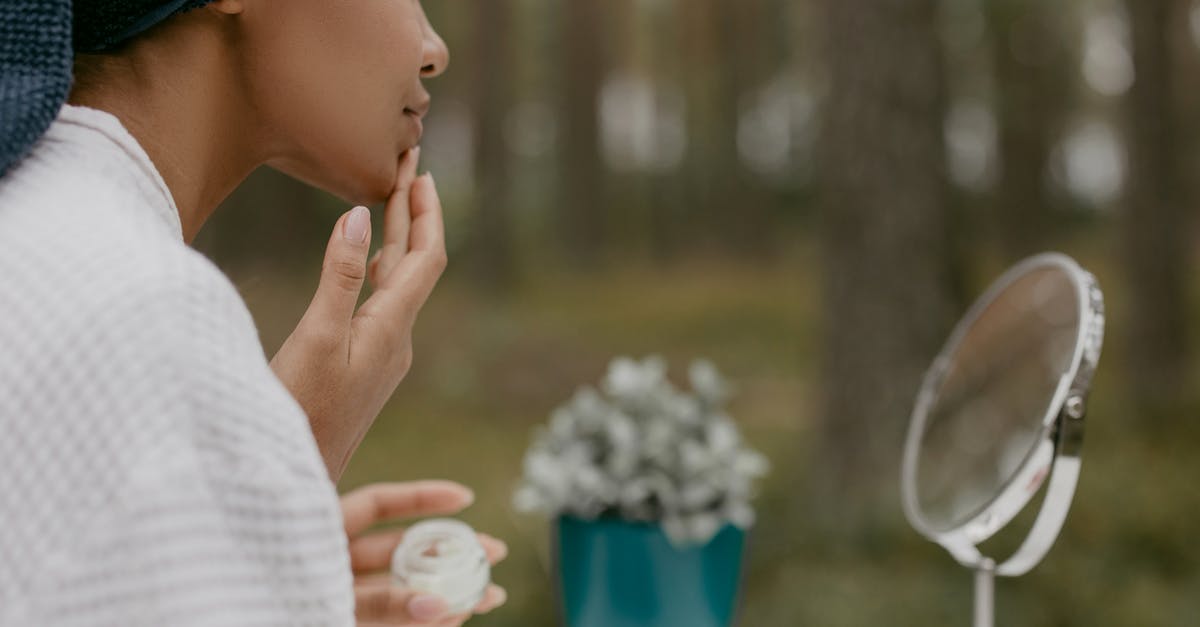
(156, 469)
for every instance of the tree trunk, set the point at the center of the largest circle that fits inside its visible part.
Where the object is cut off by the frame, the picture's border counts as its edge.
(583, 188)
(727, 208)
(1157, 225)
(494, 265)
(886, 269)
(1033, 85)
(745, 215)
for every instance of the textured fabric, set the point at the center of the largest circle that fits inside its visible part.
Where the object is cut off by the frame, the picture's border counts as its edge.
(35, 71)
(104, 24)
(37, 43)
(153, 470)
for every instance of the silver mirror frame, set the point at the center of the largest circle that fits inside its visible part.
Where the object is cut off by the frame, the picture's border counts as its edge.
(1055, 457)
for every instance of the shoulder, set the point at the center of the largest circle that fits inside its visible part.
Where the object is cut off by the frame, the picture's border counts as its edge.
(179, 311)
(147, 336)
(161, 293)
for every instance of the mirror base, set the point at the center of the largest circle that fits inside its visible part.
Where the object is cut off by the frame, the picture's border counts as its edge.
(985, 591)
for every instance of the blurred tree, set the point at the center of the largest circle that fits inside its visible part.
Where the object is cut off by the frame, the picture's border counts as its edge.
(704, 175)
(886, 269)
(1157, 221)
(631, 211)
(749, 64)
(581, 210)
(727, 53)
(494, 264)
(1033, 73)
(666, 192)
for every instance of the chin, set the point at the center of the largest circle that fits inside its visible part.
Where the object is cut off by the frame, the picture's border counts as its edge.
(366, 195)
(358, 183)
(376, 191)
(375, 181)
(366, 186)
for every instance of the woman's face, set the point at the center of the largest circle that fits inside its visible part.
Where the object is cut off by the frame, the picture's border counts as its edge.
(337, 85)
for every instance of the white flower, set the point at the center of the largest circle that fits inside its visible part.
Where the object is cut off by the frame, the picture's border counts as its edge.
(641, 449)
(693, 458)
(628, 380)
(740, 514)
(697, 496)
(707, 382)
(751, 464)
(676, 529)
(722, 436)
(701, 528)
(562, 424)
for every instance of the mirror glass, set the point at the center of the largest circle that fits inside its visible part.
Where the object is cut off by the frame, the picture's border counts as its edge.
(994, 402)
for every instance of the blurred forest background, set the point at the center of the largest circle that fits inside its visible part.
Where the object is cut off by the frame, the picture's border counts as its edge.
(808, 192)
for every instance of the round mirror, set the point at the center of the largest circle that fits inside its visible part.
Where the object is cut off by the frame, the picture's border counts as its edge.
(1001, 412)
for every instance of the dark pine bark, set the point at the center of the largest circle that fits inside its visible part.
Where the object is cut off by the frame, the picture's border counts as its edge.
(1157, 221)
(494, 263)
(886, 269)
(583, 185)
(1033, 87)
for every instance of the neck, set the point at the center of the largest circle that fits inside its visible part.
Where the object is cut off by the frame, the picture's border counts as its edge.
(176, 93)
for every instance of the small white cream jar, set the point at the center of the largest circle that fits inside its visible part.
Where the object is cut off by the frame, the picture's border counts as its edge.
(443, 557)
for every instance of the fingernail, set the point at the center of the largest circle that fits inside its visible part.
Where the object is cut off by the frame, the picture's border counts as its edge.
(357, 225)
(470, 496)
(499, 597)
(426, 607)
(500, 544)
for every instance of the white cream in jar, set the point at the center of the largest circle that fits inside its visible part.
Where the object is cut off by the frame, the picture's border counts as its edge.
(443, 557)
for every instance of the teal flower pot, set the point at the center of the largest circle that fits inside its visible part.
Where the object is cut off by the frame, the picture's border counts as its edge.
(613, 573)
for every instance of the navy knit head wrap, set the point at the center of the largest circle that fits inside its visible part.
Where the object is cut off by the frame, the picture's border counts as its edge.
(38, 39)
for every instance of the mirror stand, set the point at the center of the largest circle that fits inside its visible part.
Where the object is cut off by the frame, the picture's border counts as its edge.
(1000, 418)
(985, 590)
(1065, 440)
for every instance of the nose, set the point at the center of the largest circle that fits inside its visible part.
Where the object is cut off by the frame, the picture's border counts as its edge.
(435, 56)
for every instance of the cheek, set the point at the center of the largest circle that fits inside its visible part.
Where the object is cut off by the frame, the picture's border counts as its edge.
(331, 83)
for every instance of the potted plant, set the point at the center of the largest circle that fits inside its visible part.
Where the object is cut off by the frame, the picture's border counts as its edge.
(649, 489)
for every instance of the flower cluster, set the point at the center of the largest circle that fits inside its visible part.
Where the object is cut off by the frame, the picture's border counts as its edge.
(641, 449)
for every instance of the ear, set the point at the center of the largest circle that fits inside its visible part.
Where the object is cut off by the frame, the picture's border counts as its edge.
(228, 7)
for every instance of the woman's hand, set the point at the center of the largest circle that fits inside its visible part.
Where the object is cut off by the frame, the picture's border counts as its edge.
(340, 364)
(377, 601)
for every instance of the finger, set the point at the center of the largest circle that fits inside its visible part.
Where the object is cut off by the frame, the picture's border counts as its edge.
(373, 552)
(373, 267)
(426, 224)
(426, 607)
(404, 288)
(495, 548)
(398, 218)
(492, 599)
(428, 230)
(379, 502)
(380, 601)
(344, 269)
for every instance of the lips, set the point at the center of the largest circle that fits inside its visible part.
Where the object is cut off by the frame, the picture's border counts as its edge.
(415, 114)
(421, 108)
(415, 119)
